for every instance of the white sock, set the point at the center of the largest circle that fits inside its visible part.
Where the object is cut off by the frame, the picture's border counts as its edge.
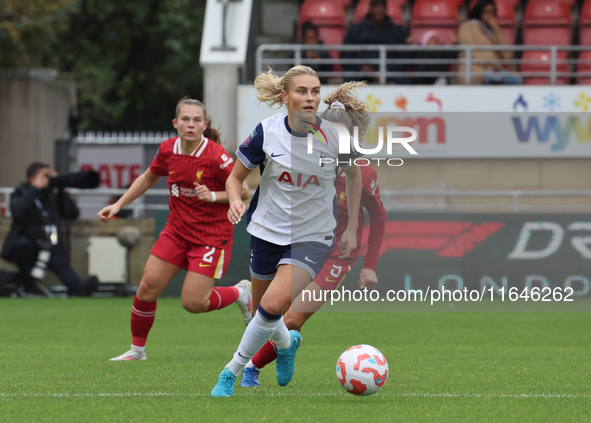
(281, 336)
(139, 349)
(250, 363)
(257, 333)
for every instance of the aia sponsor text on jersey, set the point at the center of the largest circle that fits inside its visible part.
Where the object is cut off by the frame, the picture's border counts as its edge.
(297, 180)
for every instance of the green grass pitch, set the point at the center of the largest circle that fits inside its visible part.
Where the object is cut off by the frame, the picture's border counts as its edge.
(444, 367)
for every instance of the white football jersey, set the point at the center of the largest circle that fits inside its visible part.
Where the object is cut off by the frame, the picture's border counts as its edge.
(296, 197)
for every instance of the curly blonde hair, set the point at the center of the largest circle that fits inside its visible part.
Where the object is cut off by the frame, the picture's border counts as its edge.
(269, 85)
(356, 113)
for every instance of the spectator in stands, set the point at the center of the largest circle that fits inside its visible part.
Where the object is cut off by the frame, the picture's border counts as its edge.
(311, 36)
(375, 28)
(483, 29)
(433, 38)
(35, 240)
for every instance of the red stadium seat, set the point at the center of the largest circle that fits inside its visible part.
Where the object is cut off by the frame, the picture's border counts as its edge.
(547, 22)
(584, 65)
(394, 10)
(323, 13)
(539, 61)
(569, 2)
(328, 16)
(506, 17)
(585, 24)
(346, 3)
(439, 15)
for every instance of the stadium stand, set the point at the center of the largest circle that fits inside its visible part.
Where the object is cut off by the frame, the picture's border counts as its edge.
(547, 22)
(569, 2)
(584, 65)
(506, 17)
(346, 3)
(439, 15)
(539, 61)
(529, 23)
(328, 16)
(585, 24)
(394, 11)
(515, 3)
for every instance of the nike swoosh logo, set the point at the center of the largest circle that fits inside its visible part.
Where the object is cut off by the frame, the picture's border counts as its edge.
(170, 173)
(307, 259)
(241, 355)
(329, 280)
(380, 379)
(277, 155)
(204, 265)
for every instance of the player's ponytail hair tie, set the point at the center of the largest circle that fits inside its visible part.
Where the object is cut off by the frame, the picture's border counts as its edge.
(337, 105)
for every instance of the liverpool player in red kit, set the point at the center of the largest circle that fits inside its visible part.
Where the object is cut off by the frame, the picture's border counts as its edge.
(197, 236)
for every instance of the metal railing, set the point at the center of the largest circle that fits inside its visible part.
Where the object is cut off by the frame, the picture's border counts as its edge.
(381, 63)
(440, 200)
(136, 206)
(122, 137)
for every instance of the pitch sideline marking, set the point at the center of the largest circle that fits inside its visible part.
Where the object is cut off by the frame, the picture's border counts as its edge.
(170, 394)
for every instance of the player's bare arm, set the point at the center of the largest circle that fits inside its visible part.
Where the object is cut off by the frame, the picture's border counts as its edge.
(203, 193)
(143, 183)
(354, 185)
(234, 190)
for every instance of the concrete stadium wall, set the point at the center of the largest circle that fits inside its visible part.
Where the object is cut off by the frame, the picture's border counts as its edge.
(33, 112)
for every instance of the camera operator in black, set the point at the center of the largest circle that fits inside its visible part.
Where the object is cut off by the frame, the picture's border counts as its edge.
(37, 209)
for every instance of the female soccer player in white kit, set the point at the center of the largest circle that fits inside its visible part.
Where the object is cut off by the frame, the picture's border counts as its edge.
(292, 216)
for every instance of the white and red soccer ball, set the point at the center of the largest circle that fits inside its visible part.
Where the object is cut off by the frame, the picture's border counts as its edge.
(362, 370)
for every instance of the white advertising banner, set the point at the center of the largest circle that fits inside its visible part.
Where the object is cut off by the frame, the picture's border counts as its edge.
(117, 165)
(467, 122)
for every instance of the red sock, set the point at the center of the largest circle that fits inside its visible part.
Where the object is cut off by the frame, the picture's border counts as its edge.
(266, 355)
(222, 296)
(142, 319)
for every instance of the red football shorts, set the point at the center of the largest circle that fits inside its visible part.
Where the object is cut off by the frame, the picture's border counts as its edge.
(208, 261)
(332, 274)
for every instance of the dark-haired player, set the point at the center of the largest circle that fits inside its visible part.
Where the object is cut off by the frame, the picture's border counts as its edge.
(197, 236)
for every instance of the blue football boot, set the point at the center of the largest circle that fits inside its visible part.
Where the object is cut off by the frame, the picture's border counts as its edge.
(250, 377)
(225, 384)
(286, 359)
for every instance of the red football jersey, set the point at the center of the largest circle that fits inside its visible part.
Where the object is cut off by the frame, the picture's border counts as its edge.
(198, 221)
(370, 200)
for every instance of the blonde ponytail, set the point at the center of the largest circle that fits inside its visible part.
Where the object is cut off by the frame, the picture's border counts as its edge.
(356, 112)
(269, 85)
